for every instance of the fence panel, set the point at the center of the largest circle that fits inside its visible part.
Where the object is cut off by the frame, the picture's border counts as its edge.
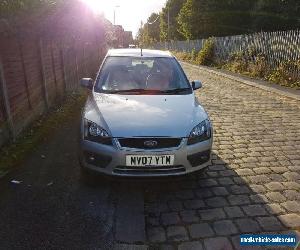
(14, 73)
(277, 47)
(33, 71)
(35, 74)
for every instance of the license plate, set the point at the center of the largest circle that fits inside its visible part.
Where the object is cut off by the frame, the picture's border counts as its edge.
(149, 160)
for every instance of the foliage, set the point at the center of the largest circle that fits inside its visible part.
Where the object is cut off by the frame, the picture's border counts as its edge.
(276, 15)
(237, 63)
(163, 27)
(281, 74)
(68, 18)
(251, 63)
(182, 56)
(204, 57)
(255, 64)
(11, 7)
(172, 7)
(259, 68)
(153, 23)
(194, 54)
(149, 33)
(195, 19)
(186, 19)
(206, 54)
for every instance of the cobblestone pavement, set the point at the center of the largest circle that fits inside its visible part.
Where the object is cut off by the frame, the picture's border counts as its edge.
(253, 183)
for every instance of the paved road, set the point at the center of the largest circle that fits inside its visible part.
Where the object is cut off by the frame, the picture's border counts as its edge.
(252, 185)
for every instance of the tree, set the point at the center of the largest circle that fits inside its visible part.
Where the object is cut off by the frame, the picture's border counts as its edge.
(186, 19)
(11, 7)
(172, 9)
(163, 26)
(271, 15)
(53, 18)
(205, 18)
(196, 19)
(152, 27)
(149, 32)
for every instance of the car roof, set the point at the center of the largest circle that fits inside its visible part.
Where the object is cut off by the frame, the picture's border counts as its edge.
(137, 53)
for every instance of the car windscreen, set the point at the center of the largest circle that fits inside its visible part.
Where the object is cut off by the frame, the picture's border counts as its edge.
(131, 75)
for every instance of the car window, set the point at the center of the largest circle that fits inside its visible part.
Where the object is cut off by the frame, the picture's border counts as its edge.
(156, 75)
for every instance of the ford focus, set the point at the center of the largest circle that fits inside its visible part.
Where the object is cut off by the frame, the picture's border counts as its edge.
(142, 118)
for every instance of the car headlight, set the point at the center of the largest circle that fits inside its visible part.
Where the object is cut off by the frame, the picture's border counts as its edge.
(201, 132)
(95, 133)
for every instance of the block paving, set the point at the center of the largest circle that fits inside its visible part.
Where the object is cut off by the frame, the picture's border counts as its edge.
(253, 183)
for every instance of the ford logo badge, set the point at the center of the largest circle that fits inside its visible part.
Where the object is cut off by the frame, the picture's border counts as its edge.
(150, 144)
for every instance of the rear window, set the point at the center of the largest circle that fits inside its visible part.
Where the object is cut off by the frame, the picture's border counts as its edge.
(157, 74)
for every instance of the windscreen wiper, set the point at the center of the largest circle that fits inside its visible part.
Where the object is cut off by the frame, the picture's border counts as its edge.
(126, 91)
(175, 91)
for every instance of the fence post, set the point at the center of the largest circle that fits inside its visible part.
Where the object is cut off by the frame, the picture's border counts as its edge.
(62, 57)
(44, 82)
(54, 71)
(8, 114)
(24, 72)
(84, 60)
(77, 69)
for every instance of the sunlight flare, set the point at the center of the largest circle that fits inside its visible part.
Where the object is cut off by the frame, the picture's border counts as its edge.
(100, 6)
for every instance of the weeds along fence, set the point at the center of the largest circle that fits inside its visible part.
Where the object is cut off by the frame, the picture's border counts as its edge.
(37, 72)
(277, 47)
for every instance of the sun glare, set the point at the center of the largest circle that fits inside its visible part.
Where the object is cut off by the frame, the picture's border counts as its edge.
(95, 5)
(127, 13)
(112, 9)
(99, 6)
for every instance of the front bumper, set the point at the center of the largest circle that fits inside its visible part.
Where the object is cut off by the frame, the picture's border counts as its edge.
(111, 160)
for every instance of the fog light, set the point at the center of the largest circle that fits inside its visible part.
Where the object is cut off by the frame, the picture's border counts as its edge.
(97, 160)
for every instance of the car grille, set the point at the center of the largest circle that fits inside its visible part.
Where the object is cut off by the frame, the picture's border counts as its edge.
(145, 143)
(155, 170)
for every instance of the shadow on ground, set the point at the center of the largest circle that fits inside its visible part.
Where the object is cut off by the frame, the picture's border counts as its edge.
(207, 210)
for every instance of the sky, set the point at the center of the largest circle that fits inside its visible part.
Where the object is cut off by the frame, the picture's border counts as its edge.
(129, 13)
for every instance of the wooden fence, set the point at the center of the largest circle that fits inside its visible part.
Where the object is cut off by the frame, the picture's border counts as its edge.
(36, 73)
(277, 47)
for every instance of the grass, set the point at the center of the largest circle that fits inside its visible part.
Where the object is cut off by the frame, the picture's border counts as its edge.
(13, 154)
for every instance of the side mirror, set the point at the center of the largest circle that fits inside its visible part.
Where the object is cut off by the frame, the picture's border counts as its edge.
(196, 85)
(87, 83)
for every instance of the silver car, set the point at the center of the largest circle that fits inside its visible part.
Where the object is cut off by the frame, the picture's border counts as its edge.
(142, 118)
